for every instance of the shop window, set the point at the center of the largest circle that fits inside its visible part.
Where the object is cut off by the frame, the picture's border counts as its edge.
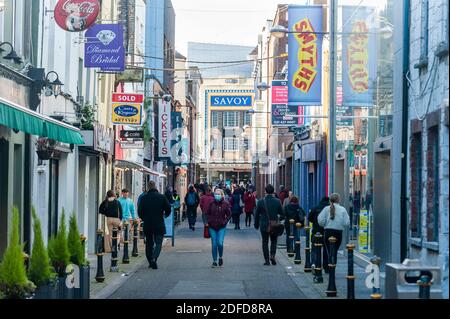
(416, 185)
(433, 184)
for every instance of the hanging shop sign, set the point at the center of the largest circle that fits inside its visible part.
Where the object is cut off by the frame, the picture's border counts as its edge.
(76, 15)
(103, 139)
(132, 134)
(104, 48)
(127, 109)
(164, 119)
(131, 75)
(363, 236)
(132, 144)
(358, 55)
(281, 109)
(179, 144)
(305, 55)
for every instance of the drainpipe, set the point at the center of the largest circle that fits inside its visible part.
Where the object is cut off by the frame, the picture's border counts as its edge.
(403, 194)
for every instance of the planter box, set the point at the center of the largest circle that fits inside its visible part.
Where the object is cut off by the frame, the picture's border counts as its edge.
(63, 291)
(83, 291)
(49, 291)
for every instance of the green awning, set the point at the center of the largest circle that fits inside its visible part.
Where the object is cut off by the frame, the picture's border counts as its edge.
(20, 118)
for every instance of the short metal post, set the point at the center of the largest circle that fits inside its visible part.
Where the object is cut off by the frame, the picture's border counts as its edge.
(331, 290)
(114, 250)
(126, 240)
(135, 252)
(307, 250)
(350, 273)
(298, 256)
(100, 276)
(291, 240)
(376, 291)
(424, 286)
(318, 260)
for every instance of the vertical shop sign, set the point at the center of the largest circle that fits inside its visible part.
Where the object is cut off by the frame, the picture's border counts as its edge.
(164, 125)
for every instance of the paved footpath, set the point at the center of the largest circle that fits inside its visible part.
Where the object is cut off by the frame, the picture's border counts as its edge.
(185, 272)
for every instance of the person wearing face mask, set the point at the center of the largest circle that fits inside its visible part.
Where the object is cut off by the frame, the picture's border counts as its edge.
(217, 216)
(112, 209)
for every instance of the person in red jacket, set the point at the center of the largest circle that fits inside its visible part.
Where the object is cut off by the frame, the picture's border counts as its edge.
(205, 200)
(249, 206)
(217, 215)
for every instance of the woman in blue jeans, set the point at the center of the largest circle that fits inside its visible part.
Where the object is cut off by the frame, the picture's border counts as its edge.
(217, 216)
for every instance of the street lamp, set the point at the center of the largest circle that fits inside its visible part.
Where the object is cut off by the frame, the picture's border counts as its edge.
(278, 31)
(53, 83)
(263, 86)
(12, 55)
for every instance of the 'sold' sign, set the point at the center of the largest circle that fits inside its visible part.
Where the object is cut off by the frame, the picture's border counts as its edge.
(76, 15)
(127, 109)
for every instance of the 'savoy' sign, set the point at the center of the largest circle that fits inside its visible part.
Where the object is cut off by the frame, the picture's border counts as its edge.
(76, 15)
(127, 109)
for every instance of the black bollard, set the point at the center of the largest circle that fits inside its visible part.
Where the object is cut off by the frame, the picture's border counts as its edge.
(100, 276)
(376, 291)
(318, 279)
(114, 250)
(135, 253)
(291, 240)
(424, 287)
(350, 274)
(126, 239)
(298, 256)
(307, 250)
(331, 290)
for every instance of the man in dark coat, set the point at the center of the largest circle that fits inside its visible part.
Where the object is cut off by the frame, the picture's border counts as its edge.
(152, 208)
(262, 217)
(192, 200)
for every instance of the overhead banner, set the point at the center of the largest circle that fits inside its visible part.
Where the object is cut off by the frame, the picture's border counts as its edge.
(127, 109)
(305, 55)
(359, 57)
(281, 109)
(104, 48)
(176, 138)
(164, 127)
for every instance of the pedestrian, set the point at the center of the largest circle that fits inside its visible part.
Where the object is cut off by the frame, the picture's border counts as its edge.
(268, 212)
(249, 206)
(169, 194)
(287, 199)
(334, 219)
(111, 208)
(152, 209)
(218, 214)
(128, 210)
(283, 193)
(192, 200)
(316, 228)
(236, 208)
(205, 200)
(176, 203)
(294, 211)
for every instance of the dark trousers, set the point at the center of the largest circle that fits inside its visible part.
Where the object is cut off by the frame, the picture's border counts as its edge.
(265, 244)
(326, 256)
(192, 215)
(248, 218)
(153, 245)
(236, 219)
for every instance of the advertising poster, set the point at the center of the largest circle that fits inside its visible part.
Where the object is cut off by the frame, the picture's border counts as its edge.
(305, 55)
(363, 238)
(169, 221)
(104, 48)
(359, 56)
(280, 107)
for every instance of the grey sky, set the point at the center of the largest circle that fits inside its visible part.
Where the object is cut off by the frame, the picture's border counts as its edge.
(219, 21)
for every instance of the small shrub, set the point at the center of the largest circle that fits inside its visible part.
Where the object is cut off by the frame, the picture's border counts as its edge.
(76, 248)
(58, 250)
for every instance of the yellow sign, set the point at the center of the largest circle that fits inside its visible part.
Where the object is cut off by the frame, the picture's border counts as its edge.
(307, 55)
(127, 113)
(358, 57)
(363, 238)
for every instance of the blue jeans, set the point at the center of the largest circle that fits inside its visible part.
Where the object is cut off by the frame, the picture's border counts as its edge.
(217, 238)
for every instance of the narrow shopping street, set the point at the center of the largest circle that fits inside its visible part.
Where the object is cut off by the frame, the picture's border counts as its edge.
(185, 270)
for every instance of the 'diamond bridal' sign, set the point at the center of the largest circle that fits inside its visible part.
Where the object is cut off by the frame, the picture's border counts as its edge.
(104, 47)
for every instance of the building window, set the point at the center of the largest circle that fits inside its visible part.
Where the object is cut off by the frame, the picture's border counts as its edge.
(433, 184)
(214, 119)
(423, 59)
(416, 185)
(230, 144)
(247, 144)
(231, 119)
(247, 119)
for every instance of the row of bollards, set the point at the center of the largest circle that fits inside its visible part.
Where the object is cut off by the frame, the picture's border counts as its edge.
(100, 276)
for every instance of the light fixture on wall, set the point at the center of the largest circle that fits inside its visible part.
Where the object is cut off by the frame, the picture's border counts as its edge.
(12, 55)
(53, 84)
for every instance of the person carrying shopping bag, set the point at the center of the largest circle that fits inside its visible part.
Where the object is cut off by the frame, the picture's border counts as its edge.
(217, 216)
(334, 219)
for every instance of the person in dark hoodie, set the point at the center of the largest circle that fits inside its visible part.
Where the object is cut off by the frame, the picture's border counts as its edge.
(192, 200)
(293, 211)
(312, 218)
(218, 214)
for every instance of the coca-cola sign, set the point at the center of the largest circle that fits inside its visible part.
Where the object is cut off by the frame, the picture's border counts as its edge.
(76, 15)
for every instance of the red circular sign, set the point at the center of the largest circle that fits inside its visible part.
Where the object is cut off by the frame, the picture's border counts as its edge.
(76, 15)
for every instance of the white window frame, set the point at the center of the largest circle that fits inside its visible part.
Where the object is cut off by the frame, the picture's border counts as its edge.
(234, 144)
(214, 119)
(226, 119)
